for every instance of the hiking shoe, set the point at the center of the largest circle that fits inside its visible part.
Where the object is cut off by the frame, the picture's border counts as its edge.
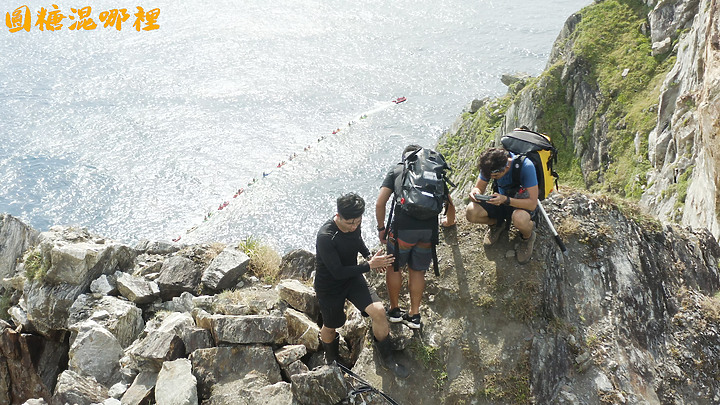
(494, 232)
(525, 248)
(396, 315)
(413, 322)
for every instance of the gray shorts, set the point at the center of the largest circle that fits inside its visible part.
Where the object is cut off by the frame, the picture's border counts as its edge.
(415, 248)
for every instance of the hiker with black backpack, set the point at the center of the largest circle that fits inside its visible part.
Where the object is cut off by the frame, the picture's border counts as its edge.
(513, 200)
(338, 277)
(419, 186)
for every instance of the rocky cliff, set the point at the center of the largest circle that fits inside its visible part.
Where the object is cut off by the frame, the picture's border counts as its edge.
(630, 315)
(630, 97)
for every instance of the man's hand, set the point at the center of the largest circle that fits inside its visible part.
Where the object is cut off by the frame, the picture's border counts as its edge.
(474, 191)
(498, 199)
(382, 235)
(380, 261)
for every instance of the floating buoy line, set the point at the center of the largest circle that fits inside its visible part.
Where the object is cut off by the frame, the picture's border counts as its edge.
(280, 165)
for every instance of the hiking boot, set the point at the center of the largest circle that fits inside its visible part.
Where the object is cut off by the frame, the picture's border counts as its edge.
(387, 359)
(332, 350)
(413, 322)
(395, 315)
(524, 250)
(493, 233)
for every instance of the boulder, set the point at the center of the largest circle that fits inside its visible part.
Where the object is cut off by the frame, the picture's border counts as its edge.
(120, 317)
(252, 390)
(72, 388)
(183, 325)
(150, 352)
(661, 47)
(298, 264)
(225, 270)
(137, 289)
(95, 352)
(71, 259)
(140, 392)
(302, 330)
(296, 367)
(177, 275)
(289, 354)
(300, 297)
(15, 239)
(104, 285)
(219, 365)
(330, 378)
(156, 247)
(176, 384)
(510, 79)
(249, 329)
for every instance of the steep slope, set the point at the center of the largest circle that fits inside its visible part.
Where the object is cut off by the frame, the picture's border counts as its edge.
(630, 98)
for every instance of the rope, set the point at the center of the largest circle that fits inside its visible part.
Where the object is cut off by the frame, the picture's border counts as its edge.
(282, 163)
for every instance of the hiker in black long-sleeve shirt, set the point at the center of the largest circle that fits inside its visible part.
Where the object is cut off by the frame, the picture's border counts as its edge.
(338, 277)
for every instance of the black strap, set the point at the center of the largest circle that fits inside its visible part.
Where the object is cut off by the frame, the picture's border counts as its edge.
(366, 385)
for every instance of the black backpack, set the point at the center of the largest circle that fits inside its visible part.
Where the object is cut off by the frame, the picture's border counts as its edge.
(537, 147)
(421, 189)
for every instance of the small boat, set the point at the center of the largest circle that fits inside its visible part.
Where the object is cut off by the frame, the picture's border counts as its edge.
(399, 100)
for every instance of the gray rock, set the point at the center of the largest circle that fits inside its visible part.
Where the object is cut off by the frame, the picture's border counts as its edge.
(117, 390)
(176, 384)
(156, 247)
(300, 297)
(297, 264)
(122, 318)
(220, 365)
(137, 289)
(177, 275)
(104, 285)
(475, 105)
(661, 47)
(249, 329)
(225, 270)
(140, 392)
(157, 347)
(289, 354)
(296, 367)
(302, 330)
(510, 79)
(330, 378)
(75, 258)
(73, 388)
(95, 352)
(15, 239)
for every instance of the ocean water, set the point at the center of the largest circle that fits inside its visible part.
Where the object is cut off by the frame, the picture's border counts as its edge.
(145, 135)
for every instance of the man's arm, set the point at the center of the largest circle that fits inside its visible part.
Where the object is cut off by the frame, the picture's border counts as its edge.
(380, 206)
(529, 203)
(329, 256)
(449, 219)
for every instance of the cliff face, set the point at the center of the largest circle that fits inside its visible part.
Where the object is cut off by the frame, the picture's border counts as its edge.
(630, 315)
(630, 97)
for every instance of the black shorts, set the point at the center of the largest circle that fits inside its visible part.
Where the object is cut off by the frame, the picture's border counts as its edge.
(501, 212)
(332, 303)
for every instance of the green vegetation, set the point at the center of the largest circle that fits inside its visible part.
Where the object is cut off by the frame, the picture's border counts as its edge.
(612, 66)
(512, 387)
(264, 260)
(36, 266)
(428, 356)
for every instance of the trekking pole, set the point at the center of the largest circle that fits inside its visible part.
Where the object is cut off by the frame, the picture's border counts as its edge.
(552, 229)
(366, 386)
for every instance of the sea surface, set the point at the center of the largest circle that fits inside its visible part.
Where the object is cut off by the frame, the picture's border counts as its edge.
(177, 133)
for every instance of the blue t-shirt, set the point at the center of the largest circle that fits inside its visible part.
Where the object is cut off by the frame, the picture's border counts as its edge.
(528, 178)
